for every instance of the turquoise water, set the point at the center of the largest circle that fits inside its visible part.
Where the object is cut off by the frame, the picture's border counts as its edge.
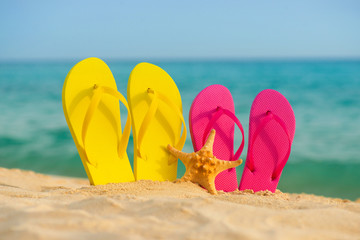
(325, 96)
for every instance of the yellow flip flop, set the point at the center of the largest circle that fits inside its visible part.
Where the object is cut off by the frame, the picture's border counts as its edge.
(156, 113)
(91, 107)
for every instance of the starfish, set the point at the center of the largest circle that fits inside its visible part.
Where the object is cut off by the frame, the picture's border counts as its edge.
(202, 166)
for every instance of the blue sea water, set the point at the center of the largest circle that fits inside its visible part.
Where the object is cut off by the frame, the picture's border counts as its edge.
(325, 96)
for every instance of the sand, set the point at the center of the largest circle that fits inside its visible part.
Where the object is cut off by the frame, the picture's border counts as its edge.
(37, 206)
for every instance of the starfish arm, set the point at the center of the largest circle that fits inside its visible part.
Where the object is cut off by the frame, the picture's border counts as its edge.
(223, 165)
(208, 146)
(186, 177)
(184, 157)
(210, 185)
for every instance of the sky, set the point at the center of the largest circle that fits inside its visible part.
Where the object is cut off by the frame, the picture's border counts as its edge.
(189, 29)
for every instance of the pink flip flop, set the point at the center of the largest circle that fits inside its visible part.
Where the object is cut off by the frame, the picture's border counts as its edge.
(271, 132)
(213, 108)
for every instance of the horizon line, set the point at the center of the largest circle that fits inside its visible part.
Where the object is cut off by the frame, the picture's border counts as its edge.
(184, 59)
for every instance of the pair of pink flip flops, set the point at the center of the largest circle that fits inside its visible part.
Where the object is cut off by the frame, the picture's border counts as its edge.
(271, 132)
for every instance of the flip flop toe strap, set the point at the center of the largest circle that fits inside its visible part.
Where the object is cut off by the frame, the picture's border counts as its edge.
(269, 116)
(149, 116)
(220, 112)
(99, 91)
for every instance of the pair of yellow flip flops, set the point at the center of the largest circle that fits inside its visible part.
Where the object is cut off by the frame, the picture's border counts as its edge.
(91, 107)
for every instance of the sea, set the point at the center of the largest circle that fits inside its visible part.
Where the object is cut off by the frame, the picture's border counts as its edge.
(324, 94)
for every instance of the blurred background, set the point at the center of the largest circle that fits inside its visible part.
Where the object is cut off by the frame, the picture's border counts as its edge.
(308, 50)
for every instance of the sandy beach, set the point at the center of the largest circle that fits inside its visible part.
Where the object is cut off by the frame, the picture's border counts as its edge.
(37, 206)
